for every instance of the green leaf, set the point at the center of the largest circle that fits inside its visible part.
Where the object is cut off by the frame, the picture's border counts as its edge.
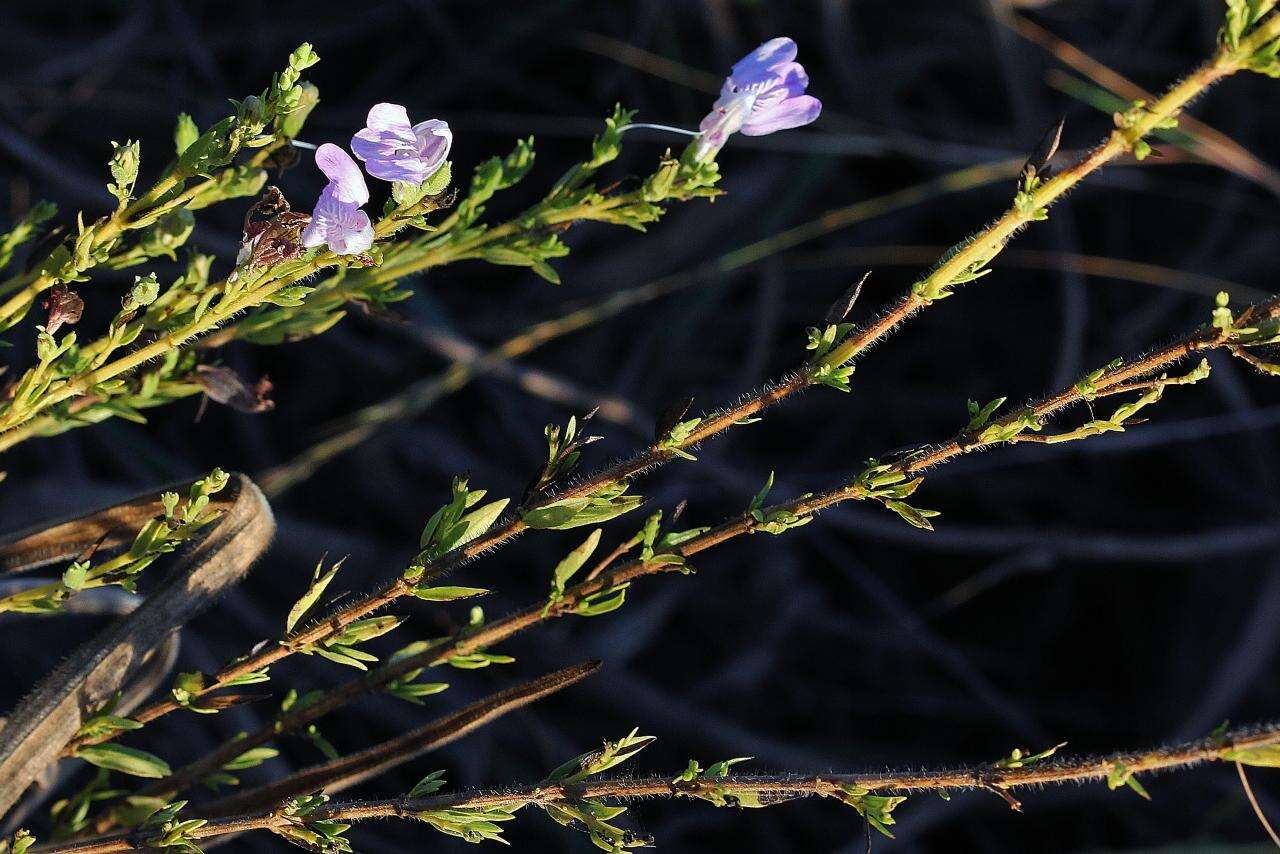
(479, 520)
(566, 568)
(251, 758)
(469, 824)
(980, 415)
(1019, 758)
(758, 501)
(360, 631)
(876, 809)
(185, 133)
(127, 760)
(413, 692)
(428, 785)
(477, 660)
(319, 581)
(447, 594)
(1265, 756)
(608, 502)
(603, 602)
(1120, 775)
(598, 761)
(103, 726)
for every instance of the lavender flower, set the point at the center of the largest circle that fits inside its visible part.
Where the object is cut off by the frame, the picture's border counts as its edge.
(337, 219)
(763, 93)
(394, 150)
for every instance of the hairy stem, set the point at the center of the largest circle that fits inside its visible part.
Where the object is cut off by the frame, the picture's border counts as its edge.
(365, 764)
(770, 788)
(1117, 380)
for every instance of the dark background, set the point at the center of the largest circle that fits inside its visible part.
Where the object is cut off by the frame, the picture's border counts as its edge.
(1116, 593)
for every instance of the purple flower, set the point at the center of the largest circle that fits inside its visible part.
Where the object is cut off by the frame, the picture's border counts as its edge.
(394, 150)
(763, 93)
(337, 219)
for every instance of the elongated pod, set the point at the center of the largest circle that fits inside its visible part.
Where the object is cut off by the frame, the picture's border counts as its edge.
(49, 717)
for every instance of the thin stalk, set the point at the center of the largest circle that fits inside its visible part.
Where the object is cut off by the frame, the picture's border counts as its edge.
(354, 768)
(1211, 144)
(1098, 266)
(972, 255)
(770, 788)
(1118, 380)
(1257, 808)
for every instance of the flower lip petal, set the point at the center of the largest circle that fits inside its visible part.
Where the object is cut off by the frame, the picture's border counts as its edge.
(343, 173)
(355, 236)
(389, 163)
(316, 232)
(367, 144)
(790, 113)
(343, 226)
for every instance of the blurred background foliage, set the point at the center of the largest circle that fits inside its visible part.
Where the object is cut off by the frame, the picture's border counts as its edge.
(1114, 593)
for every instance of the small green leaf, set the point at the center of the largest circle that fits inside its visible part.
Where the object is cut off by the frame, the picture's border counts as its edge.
(319, 581)
(1266, 756)
(447, 594)
(1120, 775)
(251, 758)
(758, 501)
(566, 568)
(127, 760)
(185, 133)
(876, 809)
(428, 785)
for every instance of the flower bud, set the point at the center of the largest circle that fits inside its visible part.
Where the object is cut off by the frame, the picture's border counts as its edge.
(124, 169)
(168, 233)
(145, 290)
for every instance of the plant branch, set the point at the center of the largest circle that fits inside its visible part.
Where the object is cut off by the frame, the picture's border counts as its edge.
(1116, 379)
(354, 768)
(769, 789)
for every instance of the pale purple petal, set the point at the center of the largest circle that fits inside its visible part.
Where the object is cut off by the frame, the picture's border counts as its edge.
(434, 141)
(316, 232)
(343, 226)
(761, 61)
(389, 161)
(343, 174)
(725, 118)
(790, 83)
(791, 113)
(322, 219)
(388, 117)
(791, 78)
(355, 236)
